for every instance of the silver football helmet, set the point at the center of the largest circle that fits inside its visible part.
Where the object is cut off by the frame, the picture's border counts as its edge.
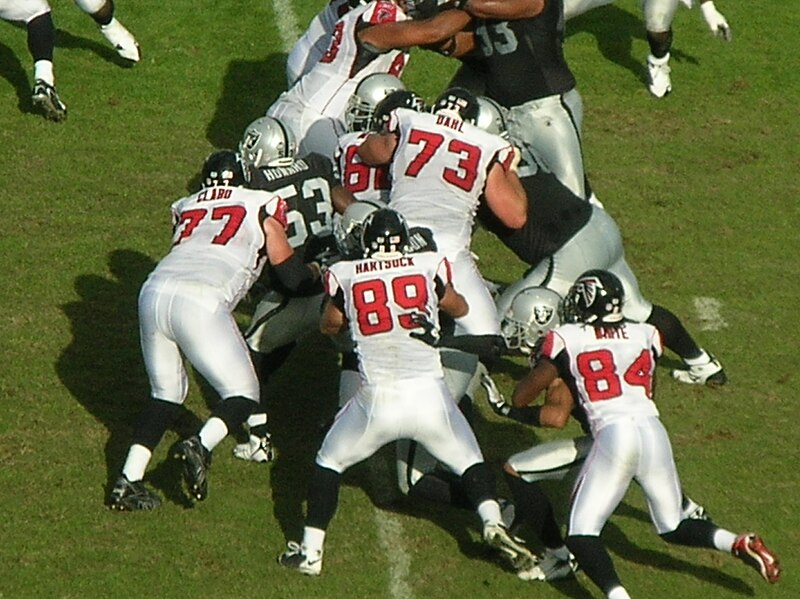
(533, 312)
(358, 115)
(491, 116)
(347, 228)
(268, 142)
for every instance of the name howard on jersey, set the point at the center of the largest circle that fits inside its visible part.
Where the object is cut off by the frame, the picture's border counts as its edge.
(376, 265)
(280, 172)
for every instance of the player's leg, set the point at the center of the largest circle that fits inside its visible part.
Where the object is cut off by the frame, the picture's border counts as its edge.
(551, 128)
(658, 16)
(601, 485)
(574, 8)
(102, 12)
(661, 485)
(41, 35)
(523, 472)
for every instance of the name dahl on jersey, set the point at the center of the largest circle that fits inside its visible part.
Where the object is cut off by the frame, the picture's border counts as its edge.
(376, 265)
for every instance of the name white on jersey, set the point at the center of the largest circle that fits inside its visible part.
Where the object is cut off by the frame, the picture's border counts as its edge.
(380, 299)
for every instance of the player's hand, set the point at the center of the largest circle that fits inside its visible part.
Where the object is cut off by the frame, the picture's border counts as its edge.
(716, 21)
(494, 397)
(429, 334)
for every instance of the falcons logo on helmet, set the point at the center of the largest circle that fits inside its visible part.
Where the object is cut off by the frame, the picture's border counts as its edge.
(588, 290)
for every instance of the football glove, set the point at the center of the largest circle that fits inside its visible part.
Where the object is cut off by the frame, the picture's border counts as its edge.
(429, 334)
(494, 397)
(716, 21)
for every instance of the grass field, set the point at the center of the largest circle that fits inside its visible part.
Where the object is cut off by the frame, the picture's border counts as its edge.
(703, 184)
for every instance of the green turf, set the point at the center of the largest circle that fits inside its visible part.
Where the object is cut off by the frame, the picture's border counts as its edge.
(703, 184)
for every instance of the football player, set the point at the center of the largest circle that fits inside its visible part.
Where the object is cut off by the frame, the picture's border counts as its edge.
(380, 299)
(313, 193)
(441, 164)
(608, 362)
(223, 235)
(514, 49)
(38, 19)
(658, 17)
(371, 38)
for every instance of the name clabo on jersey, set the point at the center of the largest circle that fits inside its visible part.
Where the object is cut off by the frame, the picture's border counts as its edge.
(376, 265)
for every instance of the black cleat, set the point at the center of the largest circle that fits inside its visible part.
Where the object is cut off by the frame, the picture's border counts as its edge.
(127, 496)
(45, 98)
(196, 462)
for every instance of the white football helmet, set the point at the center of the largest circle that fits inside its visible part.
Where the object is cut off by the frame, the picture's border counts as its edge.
(491, 116)
(268, 142)
(347, 228)
(358, 115)
(533, 312)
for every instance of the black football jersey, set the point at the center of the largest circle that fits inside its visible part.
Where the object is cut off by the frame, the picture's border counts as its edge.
(555, 214)
(524, 58)
(306, 186)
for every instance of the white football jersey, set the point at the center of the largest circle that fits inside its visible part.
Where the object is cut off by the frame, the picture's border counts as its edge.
(612, 368)
(327, 87)
(439, 172)
(307, 50)
(379, 299)
(367, 183)
(218, 240)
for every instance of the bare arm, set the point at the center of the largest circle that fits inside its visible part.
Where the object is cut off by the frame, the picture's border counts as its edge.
(504, 9)
(341, 198)
(278, 248)
(506, 197)
(557, 406)
(453, 303)
(532, 384)
(406, 34)
(333, 320)
(378, 148)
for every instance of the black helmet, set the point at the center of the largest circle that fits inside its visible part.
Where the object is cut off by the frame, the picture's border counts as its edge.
(460, 102)
(385, 232)
(224, 167)
(401, 98)
(596, 297)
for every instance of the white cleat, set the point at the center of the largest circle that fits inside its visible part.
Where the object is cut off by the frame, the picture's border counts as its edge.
(710, 374)
(122, 40)
(554, 565)
(256, 449)
(659, 82)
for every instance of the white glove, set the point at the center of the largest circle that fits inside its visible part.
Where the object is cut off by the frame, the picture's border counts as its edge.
(687, 3)
(494, 397)
(716, 21)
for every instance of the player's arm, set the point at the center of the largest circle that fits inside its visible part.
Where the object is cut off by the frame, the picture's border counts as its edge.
(534, 382)
(333, 320)
(556, 410)
(506, 197)
(453, 303)
(287, 265)
(502, 9)
(406, 34)
(378, 148)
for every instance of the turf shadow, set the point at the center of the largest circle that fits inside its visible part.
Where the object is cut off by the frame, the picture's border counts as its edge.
(102, 366)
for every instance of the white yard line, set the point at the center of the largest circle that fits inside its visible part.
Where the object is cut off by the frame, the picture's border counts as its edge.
(709, 311)
(390, 532)
(287, 25)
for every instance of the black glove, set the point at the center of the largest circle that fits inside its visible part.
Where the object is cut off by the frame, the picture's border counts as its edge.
(429, 334)
(321, 249)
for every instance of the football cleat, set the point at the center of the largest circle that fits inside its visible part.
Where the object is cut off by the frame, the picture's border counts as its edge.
(710, 374)
(552, 566)
(122, 40)
(508, 512)
(196, 462)
(751, 550)
(295, 558)
(659, 82)
(693, 511)
(257, 449)
(511, 547)
(45, 98)
(127, 496)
